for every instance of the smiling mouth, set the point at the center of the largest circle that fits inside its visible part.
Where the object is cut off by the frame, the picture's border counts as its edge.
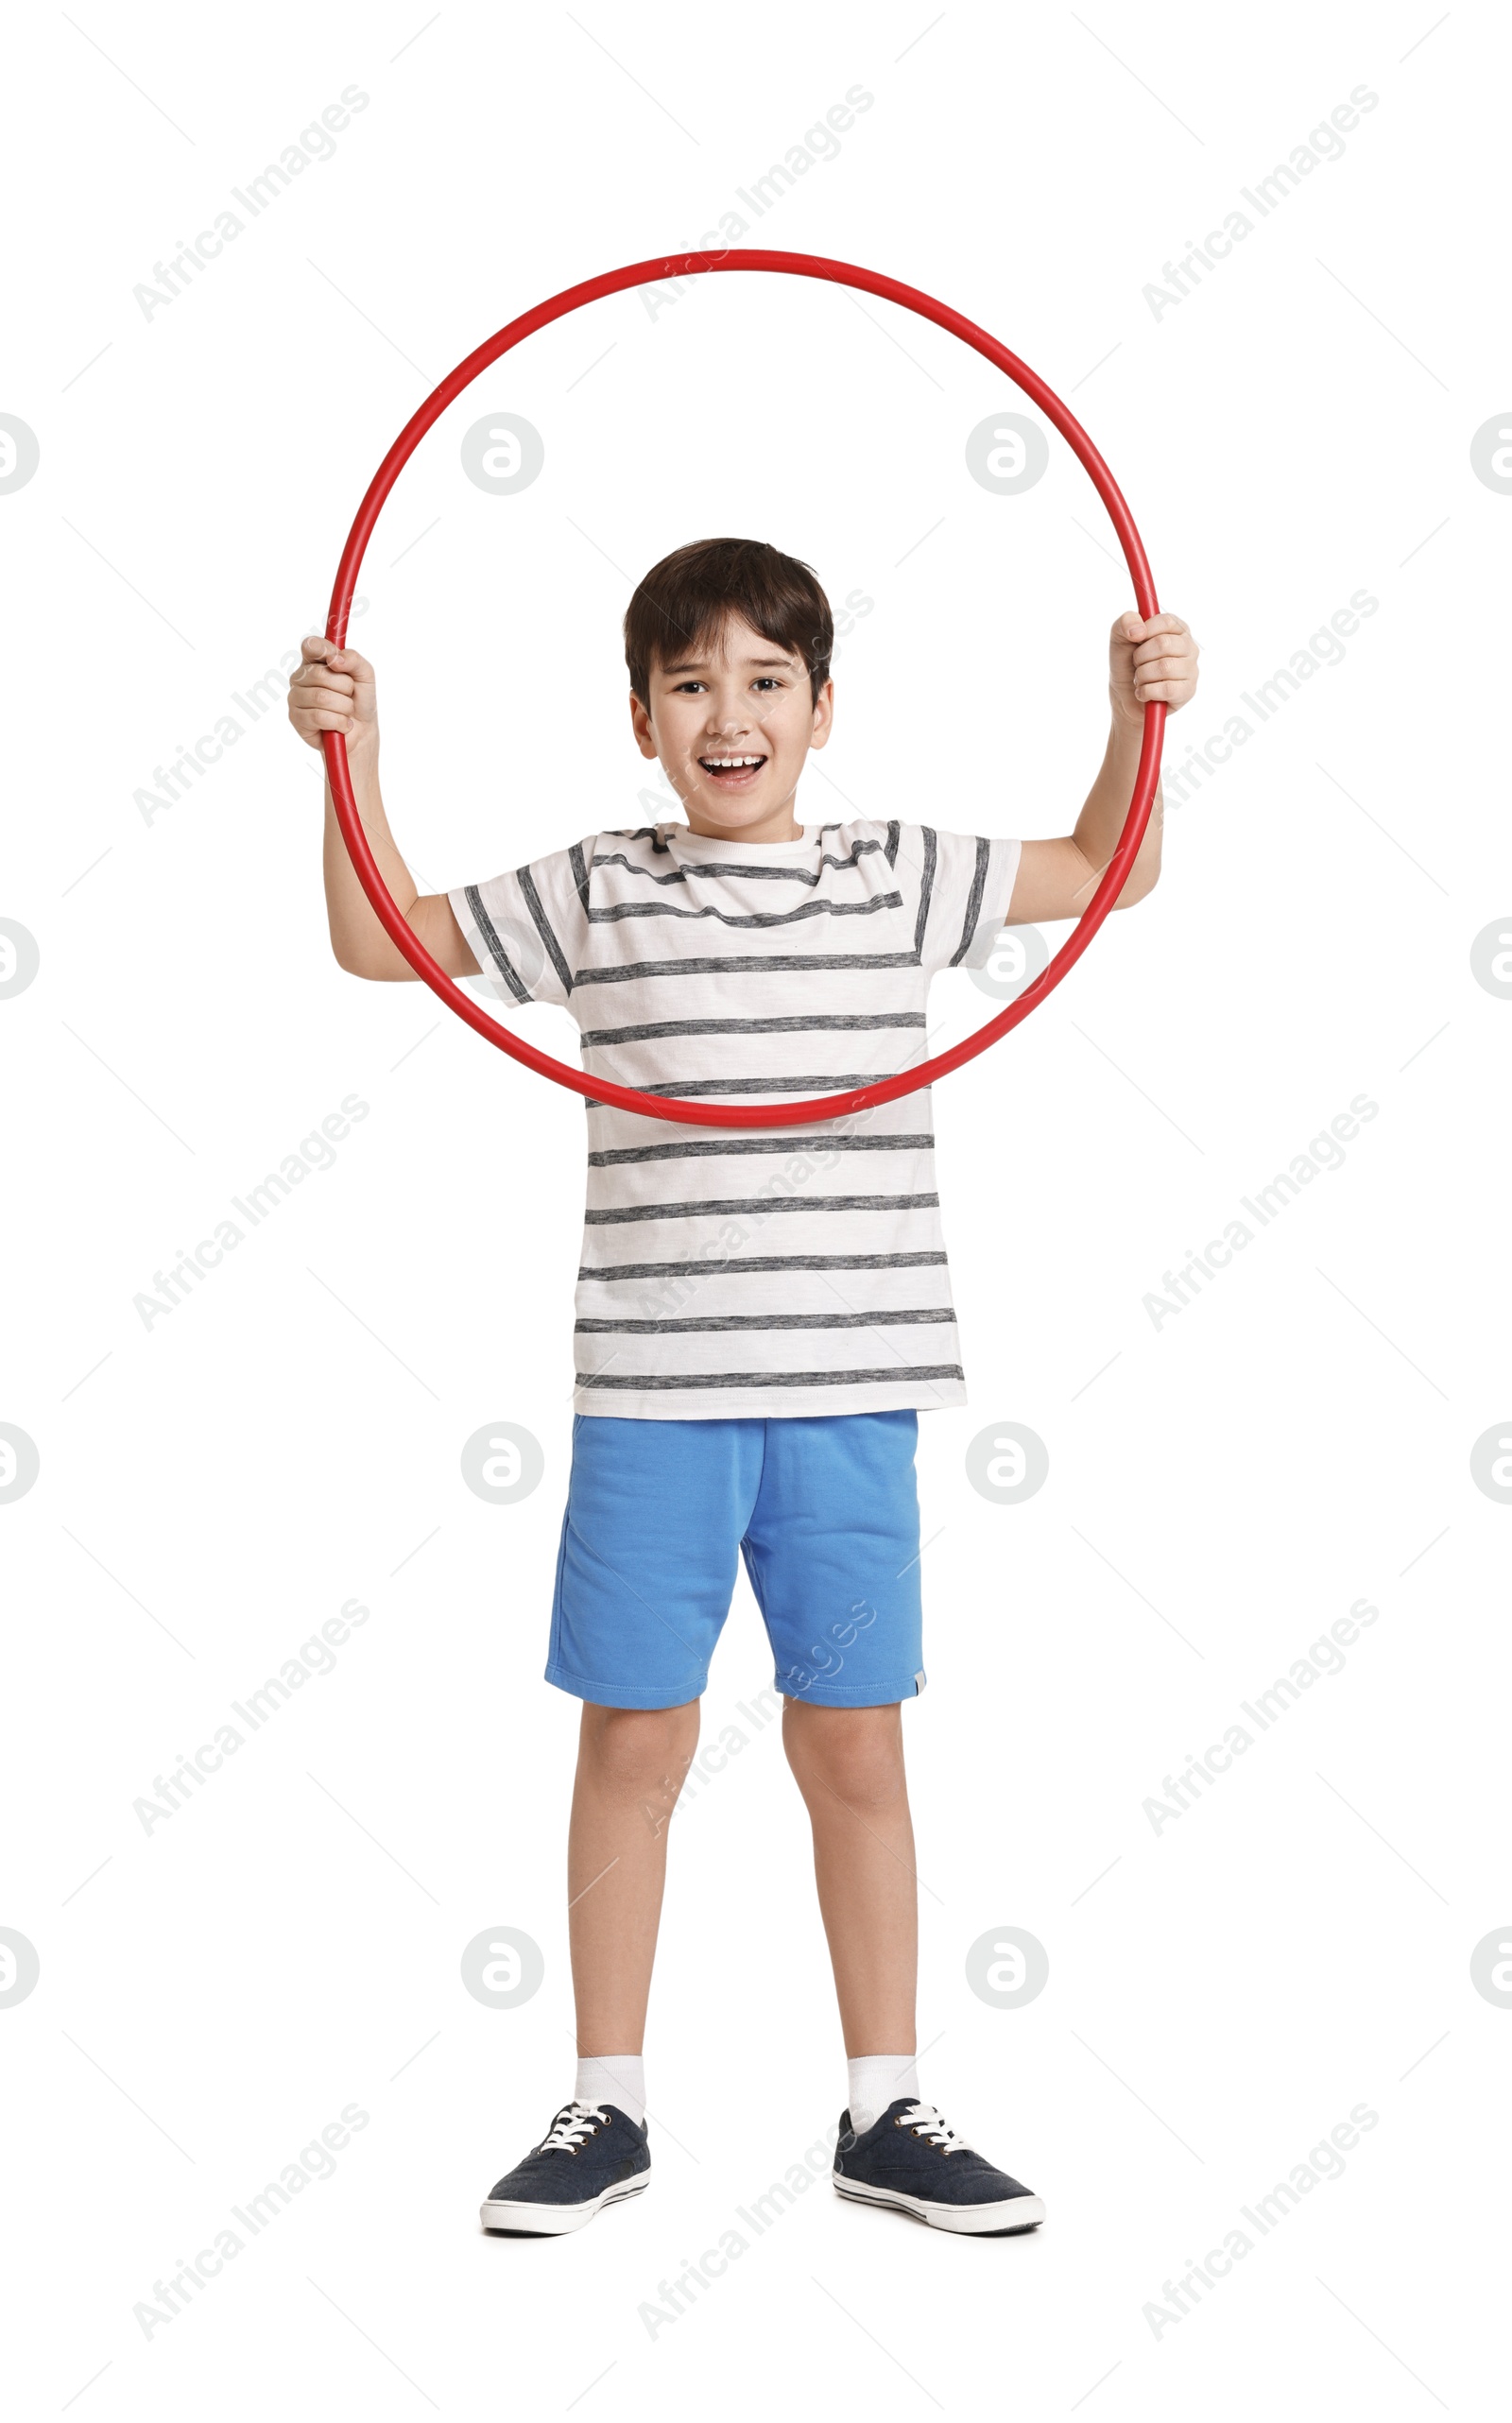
(732, 773)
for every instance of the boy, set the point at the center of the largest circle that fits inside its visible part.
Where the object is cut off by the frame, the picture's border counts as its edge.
(762, 1313)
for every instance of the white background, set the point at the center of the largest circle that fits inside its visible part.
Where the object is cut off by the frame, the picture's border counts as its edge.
(1221, 1488)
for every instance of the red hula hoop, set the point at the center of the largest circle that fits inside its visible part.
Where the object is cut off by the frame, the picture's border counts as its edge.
(705, 1114)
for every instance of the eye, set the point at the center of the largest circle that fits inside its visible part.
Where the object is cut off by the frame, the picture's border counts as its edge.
(691, 685)
(768, 681)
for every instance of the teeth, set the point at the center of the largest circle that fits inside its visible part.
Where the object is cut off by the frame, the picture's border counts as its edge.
(728, 761)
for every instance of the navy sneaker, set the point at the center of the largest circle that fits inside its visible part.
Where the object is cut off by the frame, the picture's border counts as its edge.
(593, 2154)
(910, 2160)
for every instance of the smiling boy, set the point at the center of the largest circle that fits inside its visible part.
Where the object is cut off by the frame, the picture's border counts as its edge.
(761, 1313)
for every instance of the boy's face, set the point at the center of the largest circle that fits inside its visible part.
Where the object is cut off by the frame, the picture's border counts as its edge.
(732, 725)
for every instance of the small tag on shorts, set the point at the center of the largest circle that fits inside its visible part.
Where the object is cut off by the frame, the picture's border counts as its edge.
(919, 1680)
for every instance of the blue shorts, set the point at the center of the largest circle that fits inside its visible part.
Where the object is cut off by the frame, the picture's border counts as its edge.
(824, 1510)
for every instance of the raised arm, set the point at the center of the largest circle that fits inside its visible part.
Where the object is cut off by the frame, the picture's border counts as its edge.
(337, 691)
(1055, 879)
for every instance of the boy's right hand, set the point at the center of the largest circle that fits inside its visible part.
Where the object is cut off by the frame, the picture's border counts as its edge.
(335, 691)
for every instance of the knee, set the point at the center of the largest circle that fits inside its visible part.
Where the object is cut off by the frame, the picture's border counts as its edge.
(635, 1751)
(854, 1753)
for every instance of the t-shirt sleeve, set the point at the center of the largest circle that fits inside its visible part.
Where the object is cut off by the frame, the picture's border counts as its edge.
(964, 883)
(528, 929)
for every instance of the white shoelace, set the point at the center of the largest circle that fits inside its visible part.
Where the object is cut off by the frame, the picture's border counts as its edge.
(927, 2123)
(572, 2124)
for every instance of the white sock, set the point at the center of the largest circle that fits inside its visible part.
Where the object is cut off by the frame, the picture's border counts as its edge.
(877, 2079)
(617, 2078)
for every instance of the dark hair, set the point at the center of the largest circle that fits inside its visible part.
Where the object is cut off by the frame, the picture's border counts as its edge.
(683, 601)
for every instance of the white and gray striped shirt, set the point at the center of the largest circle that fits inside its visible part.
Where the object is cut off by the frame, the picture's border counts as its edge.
(742, 1271)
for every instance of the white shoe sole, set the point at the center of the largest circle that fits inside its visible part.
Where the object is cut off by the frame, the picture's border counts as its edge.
(1012, 2217)
(554, 2221)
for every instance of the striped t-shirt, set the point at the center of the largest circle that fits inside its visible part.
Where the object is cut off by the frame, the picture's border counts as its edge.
(737, 1271)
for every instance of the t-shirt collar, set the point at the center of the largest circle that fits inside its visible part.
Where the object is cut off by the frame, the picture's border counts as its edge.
(705, 847)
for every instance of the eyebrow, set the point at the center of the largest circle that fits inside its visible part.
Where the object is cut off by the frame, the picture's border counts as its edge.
(701, 664)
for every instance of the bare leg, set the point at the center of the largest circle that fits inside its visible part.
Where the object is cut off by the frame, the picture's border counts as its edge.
(848, 1763)
(630, 1766)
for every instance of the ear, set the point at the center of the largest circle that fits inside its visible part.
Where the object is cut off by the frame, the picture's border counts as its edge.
(641, 726)
(823, 715)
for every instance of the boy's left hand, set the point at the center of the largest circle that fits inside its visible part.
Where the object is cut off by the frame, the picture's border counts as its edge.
(1150, 660)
